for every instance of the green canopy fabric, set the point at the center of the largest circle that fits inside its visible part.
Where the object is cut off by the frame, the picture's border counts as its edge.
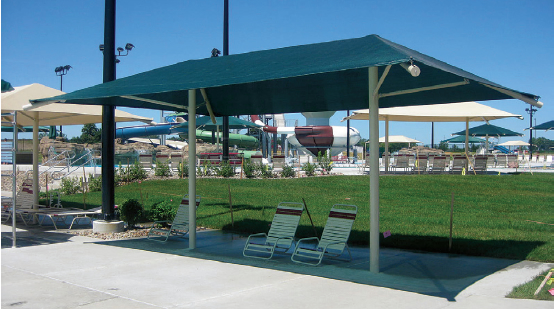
(6, 86)
(461, 139)
(549, 125)
(328, 76)
(488, 130)
(206, 123)
(26, 129)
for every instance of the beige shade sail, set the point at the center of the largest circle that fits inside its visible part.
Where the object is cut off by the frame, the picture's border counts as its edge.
(55, 114)
(451, 112)
(398, 139)
(514, 143)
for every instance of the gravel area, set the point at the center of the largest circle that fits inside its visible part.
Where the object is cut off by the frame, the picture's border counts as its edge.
(141, 231)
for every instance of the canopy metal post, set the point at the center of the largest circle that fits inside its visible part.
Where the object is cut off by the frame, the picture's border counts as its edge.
(14, 180)
(192, 168)
(373, 169)
(108, 116)
(36, 183)
(467, 136)
(225, 139)
(387, 158)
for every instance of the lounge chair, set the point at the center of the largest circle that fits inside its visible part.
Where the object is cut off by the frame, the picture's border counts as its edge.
(333, 240)
(401, 161)
(458, 164)
(24, 202)
(480, 164)
(280, 235)
(439, 165)
(421, 164)
(179, 226)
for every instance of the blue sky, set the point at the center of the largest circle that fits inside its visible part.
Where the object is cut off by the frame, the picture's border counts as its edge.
(507, 42)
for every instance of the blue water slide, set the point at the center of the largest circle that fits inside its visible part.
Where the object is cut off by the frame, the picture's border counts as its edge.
(146, 130)
(502, 149)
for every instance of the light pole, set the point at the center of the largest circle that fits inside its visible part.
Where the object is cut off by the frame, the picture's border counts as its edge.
(530, 110)
(60, 71)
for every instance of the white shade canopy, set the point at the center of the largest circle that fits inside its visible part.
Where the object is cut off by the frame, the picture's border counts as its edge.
(514, 143)
(398, 139)
(452, 112)
(55, 114)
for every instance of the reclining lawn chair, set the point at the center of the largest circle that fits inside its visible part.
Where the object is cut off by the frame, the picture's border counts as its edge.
(280, 235)
(180, 224)
(334, 238)
(24, 203)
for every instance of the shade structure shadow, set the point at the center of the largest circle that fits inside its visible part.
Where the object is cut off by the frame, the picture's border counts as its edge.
(438, 275)
(30, 237)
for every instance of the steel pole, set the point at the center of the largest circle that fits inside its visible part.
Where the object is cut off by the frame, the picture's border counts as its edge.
(14, 180)
(192, 168)
(225, 139)
(36, 183)
(108, 116)
(373, 78)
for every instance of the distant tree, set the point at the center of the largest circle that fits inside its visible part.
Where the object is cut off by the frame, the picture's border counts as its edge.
(542, 144)
(443, 146)
(90, 134)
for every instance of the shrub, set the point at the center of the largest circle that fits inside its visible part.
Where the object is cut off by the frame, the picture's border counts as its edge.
(309, 168)
(131, 212)
(70, 185)
(94, 183)
(206, 169)
(162, 169)
(183, 169)
(225, 169)
(162, 211)
(132, 173)
(250, 169)
(265, 171)
(324, 161)
(288, 171)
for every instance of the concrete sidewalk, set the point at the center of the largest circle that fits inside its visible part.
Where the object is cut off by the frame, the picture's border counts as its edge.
(59, 270)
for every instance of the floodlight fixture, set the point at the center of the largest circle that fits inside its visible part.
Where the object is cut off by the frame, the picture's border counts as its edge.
(411, 68)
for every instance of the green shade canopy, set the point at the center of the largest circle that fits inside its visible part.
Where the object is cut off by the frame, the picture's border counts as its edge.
(549, 125)
(206, 123)
(461, 139)
(328, 76)
(6, 86)
(25, 129)
(488, 130)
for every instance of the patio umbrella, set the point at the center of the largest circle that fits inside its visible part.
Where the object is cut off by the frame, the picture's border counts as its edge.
(460, 139)
(399, 139)
(338, 75)
(488, 130)
(451, 112)
(514, 143)
(52, 114)
(549, 125)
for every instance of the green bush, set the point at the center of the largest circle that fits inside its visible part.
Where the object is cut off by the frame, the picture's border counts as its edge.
(324, 161)
(206, 169)
(250, 169)
(266, 171)
(225, 169)
(70, 185)
(309, 168)
(131, 212)
(183, 169)
(162, 211)
(162, 169)
(94, 183)
(288, 171)
(129, 174)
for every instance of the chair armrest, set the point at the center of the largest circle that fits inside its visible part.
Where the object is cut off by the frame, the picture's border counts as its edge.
(300, 241)
(256, 235)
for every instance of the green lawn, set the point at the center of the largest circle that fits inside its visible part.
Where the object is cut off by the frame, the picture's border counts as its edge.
(508, 216)
(527, 290)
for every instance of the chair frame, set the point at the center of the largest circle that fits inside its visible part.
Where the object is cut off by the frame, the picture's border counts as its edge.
(179, 225)
(280, 236)
(333, 241)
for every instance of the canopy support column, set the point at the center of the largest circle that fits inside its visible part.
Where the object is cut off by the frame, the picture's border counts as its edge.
(192, 169)
(467, 136)
(387, 158)
(36, 183)
(373, 75)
